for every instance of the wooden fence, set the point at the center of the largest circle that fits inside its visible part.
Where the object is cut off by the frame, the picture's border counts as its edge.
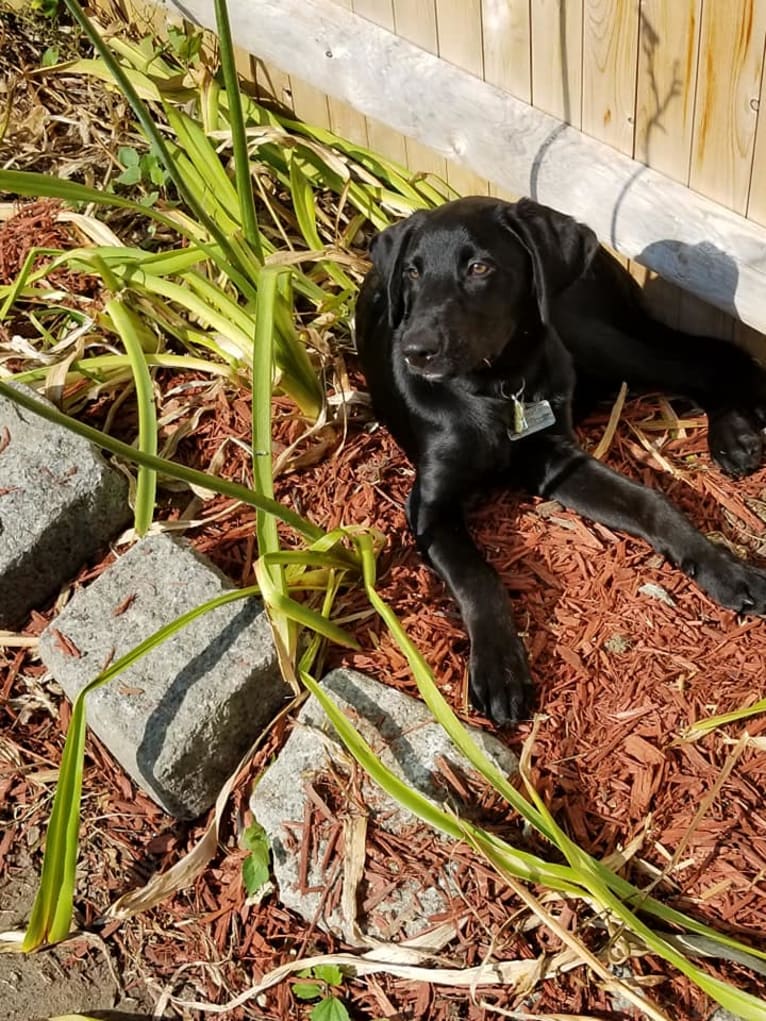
(676, 85)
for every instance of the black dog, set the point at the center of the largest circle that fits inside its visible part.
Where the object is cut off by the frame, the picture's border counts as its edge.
(484, 328)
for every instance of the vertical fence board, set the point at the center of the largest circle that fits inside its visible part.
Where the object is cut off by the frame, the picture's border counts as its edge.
(610, 56)
(459, 37)
(756, 208)
(667, 75)
(310, 104)
(415, 20)
(347, 122)
(556, 45)
(506, 43)
(746, 336)
(272, 82)
(381, 12)
(729, 75)
(458, 26)
(609, 63)
(730, 68)
(668, 48)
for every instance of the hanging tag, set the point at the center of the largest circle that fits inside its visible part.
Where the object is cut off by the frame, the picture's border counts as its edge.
(519, 418)
(530, 418)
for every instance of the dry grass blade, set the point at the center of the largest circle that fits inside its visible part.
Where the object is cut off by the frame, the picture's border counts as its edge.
(354, 834)
(703, 808)
(499, 973)
(578, 948)
(575, 945)
(9, 640)
(657, 456)
(525, 1016)
(611, 426)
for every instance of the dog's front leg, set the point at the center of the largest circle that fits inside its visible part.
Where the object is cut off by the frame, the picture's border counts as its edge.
(567, 474)
(499, 674)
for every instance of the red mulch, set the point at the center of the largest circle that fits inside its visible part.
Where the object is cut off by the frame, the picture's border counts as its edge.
(37, 223)
(620, 673)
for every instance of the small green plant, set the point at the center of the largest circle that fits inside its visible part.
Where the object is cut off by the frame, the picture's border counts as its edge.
(140, 169)
(48, 8)
(143, 169)
(185, 45)
(319, 984)
(255, 868)
(50, 57)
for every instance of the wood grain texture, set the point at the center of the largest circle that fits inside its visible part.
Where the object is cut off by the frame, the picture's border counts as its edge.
(556, 44)
(381, 12)
(310, 104)
(415, 21)
(345, 119)
(731, 49)
(458, 27)
(609, 61)
(684, 236)
(272, 82)
(668, 49)
(506, 40)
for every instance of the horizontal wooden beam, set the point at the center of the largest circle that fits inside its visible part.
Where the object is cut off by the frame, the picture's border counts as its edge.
(698, 244)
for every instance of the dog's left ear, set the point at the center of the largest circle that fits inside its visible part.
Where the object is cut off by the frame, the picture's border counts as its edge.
(561, 249)
(387, 252)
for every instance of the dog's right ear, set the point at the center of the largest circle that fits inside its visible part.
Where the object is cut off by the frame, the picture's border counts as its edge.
(387, 252)
(561, 249)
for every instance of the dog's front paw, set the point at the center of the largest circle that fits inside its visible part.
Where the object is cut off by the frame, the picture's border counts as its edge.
(500, 684)
(735, 442)
(732, 583)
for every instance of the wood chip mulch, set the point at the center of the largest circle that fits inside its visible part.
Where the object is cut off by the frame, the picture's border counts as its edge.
(37, 223)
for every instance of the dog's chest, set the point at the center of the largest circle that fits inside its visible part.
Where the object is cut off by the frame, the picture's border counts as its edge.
(497, 430)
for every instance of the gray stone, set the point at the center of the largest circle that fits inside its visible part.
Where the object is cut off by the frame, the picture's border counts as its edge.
(59, 504)
(181, 717)
(724, 1015)
(404, 735)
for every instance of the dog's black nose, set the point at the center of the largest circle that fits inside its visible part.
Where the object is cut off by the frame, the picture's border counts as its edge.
(420, 349)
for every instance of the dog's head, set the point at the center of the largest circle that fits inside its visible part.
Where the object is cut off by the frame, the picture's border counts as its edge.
(461, 278)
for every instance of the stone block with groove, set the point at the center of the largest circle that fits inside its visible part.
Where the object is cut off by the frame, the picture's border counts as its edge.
(181, 717)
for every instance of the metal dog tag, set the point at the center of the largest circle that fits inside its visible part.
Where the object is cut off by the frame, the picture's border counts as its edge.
(530, 418)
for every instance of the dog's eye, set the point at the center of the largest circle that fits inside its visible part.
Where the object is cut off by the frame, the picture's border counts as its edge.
(479, 269)
(412, 272)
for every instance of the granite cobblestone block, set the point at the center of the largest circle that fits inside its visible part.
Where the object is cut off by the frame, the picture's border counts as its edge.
(181, 717)
(60, 504)
(404, 734)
